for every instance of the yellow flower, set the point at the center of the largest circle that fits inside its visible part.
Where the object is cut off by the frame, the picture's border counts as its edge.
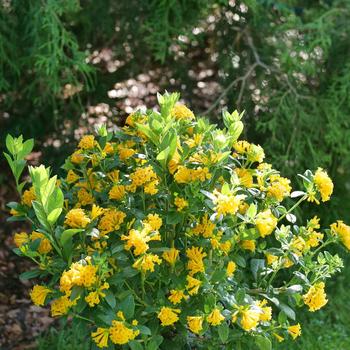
(147, 262)
(279, 338)
(171, 255)
(227, 203)
(38, 294)
(294, 331)
(120, 334)
(180, 111)
(316, 297)
(180, 203)
(266, 314)
(93, 298)
(168, 316)
(138, 239)
(72, 177)
(215, 317)
(193, 285)
(21, 238)
(245, 177)
(249, 319)
(248, 244)
(125, 152)
(61, 306)
(77, 157)
(28, 196)
(255, 154)
(231, 268)
(205, 228)
(117, 192)
(113, 176)
(265, 222)
(87, 142)
(195, 263)
(185, 175)
(343, 231)
(271, 258)
(100, 337)
(45, 245)
(195, 323)
(76, 218)
(96, 211)
(84, 197)
(111, 221)
(323, 184)
(176, 296)
(154, 221)
(279, 187)
(241, 147)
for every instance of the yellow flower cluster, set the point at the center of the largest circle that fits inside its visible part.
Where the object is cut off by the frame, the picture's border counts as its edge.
(185, 175)
(316, 297)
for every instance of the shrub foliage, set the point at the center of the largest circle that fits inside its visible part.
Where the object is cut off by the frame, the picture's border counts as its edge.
(171, 233)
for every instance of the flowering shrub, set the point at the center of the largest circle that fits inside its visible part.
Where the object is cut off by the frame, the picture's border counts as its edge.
(171, 233)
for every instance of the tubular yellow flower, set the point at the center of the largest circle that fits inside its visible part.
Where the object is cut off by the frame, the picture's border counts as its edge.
(205, 227)
(271, 258)
(28, 196)
(84, 197)
(279, 338)
(100, 337)
(249, 319)
(215, 317)
(72, 177)
(255, 154)
(195, 263)
(265, 222)
(241, 147)
(38, 294)
(324, 184)
(231, 268)
(45, 245)
(180, 203)
(77, 157)
(180, 111)
(171, 256)
(279, 187)
(176, 296)
(120, 334)
(193, 285)
(266, 313)
(76, 218)
(245, 177)
(111, 221)
(343, 231)
(154, 220)
(117, 192)
(248, 244)
(168, 316)
(61, 306)
(147, 262)
(315, 298)
(195, 323)
(294, 331)
(87, 142)
(227, 203)
(21, 238)
(96, 211)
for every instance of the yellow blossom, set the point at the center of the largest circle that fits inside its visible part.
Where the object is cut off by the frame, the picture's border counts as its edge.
(72, 177)
(294, 331)
(279, 338)
(227, 203)
(77, 157)
(87, 142)
(21, 238)
(84, 197)
(195, 323)
(248, 244)
(111, 221)
(154, 220)
(171, 255)
(176, 296)
(45, 245)
(266, 313)
(38, 294)
(117, 192)
(265, 222)
(195, 263)
(323, 184)
(61, 306)
(120, 334)
(180, 111)
(76, 218)
(343, 231)
(180, 203)
(245, 177)
(316, 297)
(100, 337)
(193, 285)
(96, 211)
(215, 317)
(28, 196)
(168, 316)
(147, 262)
(231, 268)
(271, 258)
(279, 187)
(249, 319)
(205, 227)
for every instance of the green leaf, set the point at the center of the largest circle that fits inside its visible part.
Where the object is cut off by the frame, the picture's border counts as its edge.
(10, 145)
(54, 215)
(40, 214)
(135, 345)
(263, 343)
(27, 147)
(30, 274)
(144, 330)
(287, 310)
(257, 265)
(223, 331)
(68, 234)
(110, 298)
(128, 306)
(155, 342)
